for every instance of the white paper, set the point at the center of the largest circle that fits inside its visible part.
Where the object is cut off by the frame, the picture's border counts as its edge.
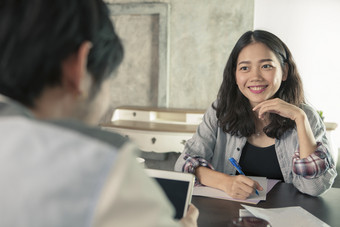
(287, 216)
(271, 183)
(216, 193)
(245, 213)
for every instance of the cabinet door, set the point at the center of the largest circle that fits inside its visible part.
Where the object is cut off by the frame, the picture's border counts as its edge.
(155, 141)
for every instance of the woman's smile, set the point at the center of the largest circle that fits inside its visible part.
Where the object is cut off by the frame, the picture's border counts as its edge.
(258, 89)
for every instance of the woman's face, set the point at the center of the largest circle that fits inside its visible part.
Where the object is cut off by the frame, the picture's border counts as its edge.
(258, 73)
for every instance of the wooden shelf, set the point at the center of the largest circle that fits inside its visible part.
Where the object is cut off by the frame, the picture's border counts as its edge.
(151, 126)
(330, 126)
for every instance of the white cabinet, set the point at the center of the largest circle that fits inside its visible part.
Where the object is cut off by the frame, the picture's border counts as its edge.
(156, 129)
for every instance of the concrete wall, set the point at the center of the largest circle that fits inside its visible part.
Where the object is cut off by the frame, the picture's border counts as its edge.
(201, 36)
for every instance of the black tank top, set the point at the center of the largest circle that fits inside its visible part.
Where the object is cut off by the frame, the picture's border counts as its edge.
(260, 161)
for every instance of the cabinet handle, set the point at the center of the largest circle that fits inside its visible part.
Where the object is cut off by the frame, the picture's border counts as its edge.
(153, 140)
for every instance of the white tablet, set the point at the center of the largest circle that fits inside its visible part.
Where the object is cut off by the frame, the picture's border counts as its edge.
(177, 186)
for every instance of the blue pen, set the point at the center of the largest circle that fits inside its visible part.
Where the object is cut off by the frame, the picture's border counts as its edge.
(239, 170)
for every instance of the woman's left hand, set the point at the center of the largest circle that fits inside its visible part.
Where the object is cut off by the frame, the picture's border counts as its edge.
(307, 141)
(280, 107)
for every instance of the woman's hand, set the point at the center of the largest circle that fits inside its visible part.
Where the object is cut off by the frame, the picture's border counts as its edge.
(241, 187)
(238, 187)
(190, 219)
(280, 107)
(306, 137)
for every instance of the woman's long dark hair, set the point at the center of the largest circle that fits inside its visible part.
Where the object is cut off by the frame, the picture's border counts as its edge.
(233, 110)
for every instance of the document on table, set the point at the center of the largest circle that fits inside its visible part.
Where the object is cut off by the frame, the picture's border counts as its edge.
(253, 199)
(282, 217)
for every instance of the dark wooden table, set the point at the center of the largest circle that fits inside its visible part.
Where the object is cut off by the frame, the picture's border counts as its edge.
(216, 212)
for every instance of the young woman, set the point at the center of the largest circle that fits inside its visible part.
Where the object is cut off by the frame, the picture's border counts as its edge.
(260, 118)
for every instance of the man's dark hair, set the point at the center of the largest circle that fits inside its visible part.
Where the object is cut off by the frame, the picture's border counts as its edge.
(37, 35)
(233, 109)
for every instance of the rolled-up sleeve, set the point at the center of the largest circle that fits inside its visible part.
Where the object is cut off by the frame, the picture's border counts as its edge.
(314, 174)
(314, 165)
(191, 163)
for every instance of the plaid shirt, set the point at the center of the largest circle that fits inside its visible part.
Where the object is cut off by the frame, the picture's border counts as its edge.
(311, 175)
(311, 167)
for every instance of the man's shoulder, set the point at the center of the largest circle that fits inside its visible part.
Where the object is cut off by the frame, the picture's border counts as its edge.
(9, 107)
(110, 138)
(55, 133)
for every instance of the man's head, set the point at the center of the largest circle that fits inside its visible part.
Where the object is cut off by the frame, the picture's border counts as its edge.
(69, 46)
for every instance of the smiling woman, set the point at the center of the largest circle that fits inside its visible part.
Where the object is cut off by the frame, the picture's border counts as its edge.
(259, 74)
(260, 119)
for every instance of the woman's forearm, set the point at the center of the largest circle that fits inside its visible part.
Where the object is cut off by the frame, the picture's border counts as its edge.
(305, 135)
(212, 178)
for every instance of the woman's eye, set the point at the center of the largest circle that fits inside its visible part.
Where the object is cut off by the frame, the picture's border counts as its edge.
(244, 68)
(267, 66)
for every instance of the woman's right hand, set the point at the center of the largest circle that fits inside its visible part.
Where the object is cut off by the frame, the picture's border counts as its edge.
(240, 186)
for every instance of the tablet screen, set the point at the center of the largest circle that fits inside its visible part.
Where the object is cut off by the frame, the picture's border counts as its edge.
(177, 186)
(176, 191)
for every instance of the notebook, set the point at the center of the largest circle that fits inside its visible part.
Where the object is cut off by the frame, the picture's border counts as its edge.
(177, 186)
